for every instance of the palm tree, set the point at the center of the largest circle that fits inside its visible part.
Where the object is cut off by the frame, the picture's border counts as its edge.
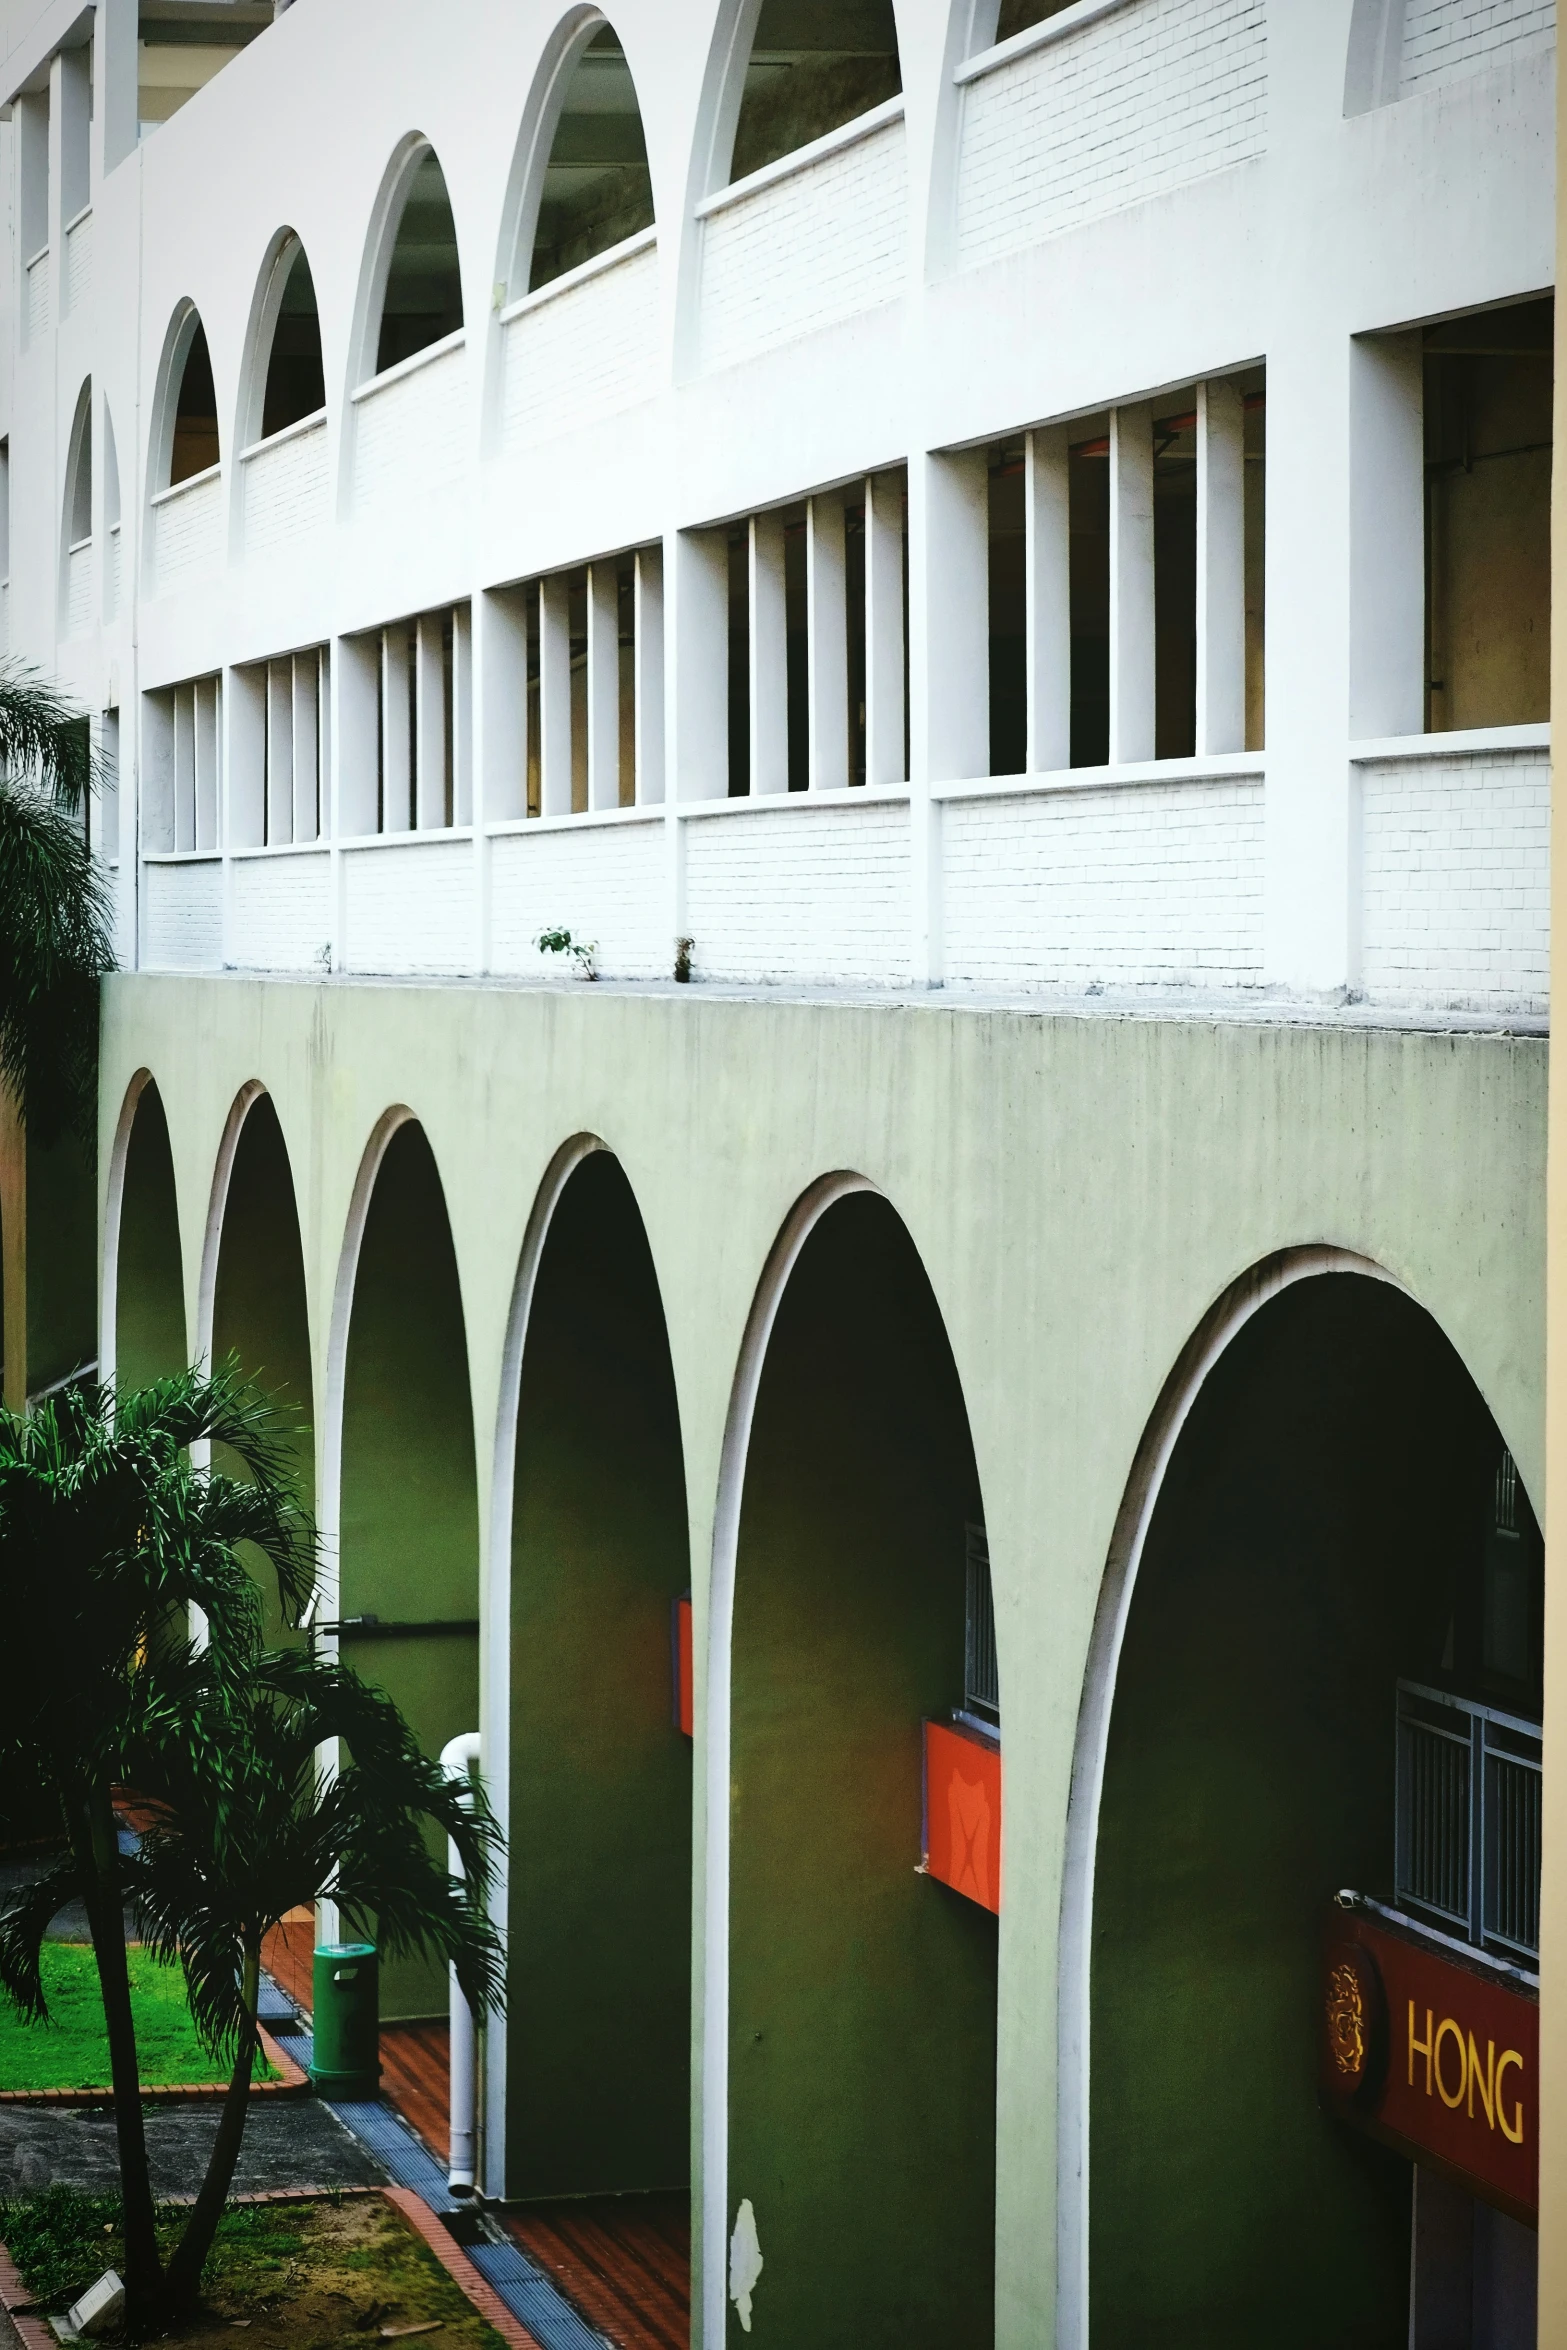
(246, 1828)
(54, 916)
(109, 1537)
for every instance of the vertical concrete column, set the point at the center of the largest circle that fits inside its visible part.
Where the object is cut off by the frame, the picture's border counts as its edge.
(207, 701)
(886, 648)
(555, 695)
(396, 733)
(648, 675)
(769, 627)
(55, 212)
(499, 701)
(1387, 607)
(306, 717)
(603, 686)
(115, 126)
(245, 721)
(949, 667)
(827, 646)
(184, 835)
(1131, 585)
(280, 752)
(431, 742)
(462, 714)
(75, 132)
(1221, 569)
(1047, 592)
(356, 721)
(697, 617)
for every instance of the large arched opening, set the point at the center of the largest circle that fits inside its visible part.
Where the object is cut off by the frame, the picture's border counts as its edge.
(407, 1514)
(861, 2014)
(1335, 1608)
(599, 1876)
(146, 1267)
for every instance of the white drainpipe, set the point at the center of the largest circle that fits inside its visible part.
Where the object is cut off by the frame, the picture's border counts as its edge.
(458, 1761)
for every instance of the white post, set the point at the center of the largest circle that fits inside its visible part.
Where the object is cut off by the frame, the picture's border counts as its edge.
(555, 695)
(247, 727)
(827, 646)
(769, 625)
(208, 714)
(648, 659)
(1131, 586)
(430, 723)
(307, 745)
(396, 735)
(462, 714)
(1047, 573)
(1387, 594)
(886, 750)
(356, 720)
(697, 615)
(1221, 569)
(949, 622)
(280, 753)
(603, 685)
(459, 1760)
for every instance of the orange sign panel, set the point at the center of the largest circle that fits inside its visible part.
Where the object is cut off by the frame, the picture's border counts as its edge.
(963, 1811)
(1441, 2058)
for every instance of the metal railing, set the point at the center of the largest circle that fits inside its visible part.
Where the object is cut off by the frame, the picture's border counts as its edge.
(981, 1674)
(1467, 1846)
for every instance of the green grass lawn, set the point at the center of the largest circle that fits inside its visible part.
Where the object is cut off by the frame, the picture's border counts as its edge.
(71, 2050)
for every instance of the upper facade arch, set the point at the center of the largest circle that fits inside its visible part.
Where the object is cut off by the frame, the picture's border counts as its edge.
(410, 295)
(78, 513)
(284, 380)
(790, 72)
(581, 185)
(185, 438)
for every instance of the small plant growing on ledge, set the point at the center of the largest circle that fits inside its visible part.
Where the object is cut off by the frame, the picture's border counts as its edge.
(683, 948)
(583, 951)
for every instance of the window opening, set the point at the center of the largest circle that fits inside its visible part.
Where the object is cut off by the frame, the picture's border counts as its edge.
(814, 65)
(597, 187)
(1008, 614)
(1015, 16)
(78, 519)
(1088, 590)
(981, 1671)
(1488, 383)
(1175, 581)
(591, 635)
(76, 79)
(280, 735)
(296, 380)
(32, 138)
(194, 447)
(184, 44)
(423, 300)
(109, 787)
(423, 725)
(183, 743)
(739, 662)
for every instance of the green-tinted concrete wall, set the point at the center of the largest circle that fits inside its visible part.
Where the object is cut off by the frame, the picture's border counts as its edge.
(150, 1338)
(62, 1270)
(410, 1523)
(600, 1883)
(1306, 1549)
(862, 1996)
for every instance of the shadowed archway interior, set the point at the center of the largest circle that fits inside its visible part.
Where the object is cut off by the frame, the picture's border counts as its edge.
(409, 1511)
(1318, 1535)
(150, 1340)
(862, 2016)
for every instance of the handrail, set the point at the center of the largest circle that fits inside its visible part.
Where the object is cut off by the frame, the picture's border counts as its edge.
(847, 134)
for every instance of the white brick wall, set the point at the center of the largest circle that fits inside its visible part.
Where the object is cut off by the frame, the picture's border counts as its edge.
(280, 911)
(1155, 883)
(409, 908)
(409, 436)
(1134, 105)
(604, 883)
(801, 893)
(188, 532)
(78, 265)
(1445, 39)
(584, 354)
(817, 246)
(78, 590)
(285, 491)
(182, 916)
(1455, 880)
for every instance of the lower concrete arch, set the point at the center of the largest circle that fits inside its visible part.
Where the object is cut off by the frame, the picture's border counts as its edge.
(143, 1313)
(597, 2076)
(1303, 1530)
(399, 1493)
(855, 2087)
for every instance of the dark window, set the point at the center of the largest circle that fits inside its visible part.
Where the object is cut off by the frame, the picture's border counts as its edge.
(1015, 16)
(597, 188)
(815, 64)
(296, 383)
(79, 519)
(423, 301)
(195, 444)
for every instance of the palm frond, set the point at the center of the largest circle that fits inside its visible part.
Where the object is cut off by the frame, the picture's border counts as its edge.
(24, 1921)
(54, 949)
(44, 737)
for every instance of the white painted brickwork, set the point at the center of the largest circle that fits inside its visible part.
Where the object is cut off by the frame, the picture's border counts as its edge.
(586, 354)
(1139, 103)
(1455, 879)
(409, 908)
(409, 435)
(1152, 884)
(280, 911)
(78, 265)
(603, 883)
(285, 491)
(801, 893)
(820, 245)
(78, 590)
(1446, 39)
(188, 532)
(182, 915)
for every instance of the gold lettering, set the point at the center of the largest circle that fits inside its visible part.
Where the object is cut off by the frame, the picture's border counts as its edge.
(1509, 2056)
(1485, 2085)
(1445, 2027)
(1419, 2047)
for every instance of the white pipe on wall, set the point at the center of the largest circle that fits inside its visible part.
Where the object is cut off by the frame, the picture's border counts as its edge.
(458, 1760)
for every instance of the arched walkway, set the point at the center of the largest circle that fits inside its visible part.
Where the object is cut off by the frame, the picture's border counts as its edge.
(599, 2029)
(1320, 1532)
(862, 1995)
(150, 1339)
(408, 1515)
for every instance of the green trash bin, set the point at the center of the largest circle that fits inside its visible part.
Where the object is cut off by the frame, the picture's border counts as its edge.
(346, 2059)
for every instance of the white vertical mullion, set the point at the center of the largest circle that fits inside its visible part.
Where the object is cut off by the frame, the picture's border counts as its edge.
(1131, 585)
(603, 682)
(1047, 572)
(827, 645)
(769, 656)
(184, 767)
(396, 739)
(280, 752)
(429, 723)
(206, 721)
(886, 748)
(555, 695)
(462, 714)
(1221, 568)
(648, 656)
(307, 752)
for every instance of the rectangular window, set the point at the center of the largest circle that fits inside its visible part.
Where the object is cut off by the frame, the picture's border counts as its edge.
(182, 750)
(590, 643)
(280, 750)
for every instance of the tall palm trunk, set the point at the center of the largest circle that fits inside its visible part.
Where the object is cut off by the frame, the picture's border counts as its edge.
(185, 2268)
(98, 1854)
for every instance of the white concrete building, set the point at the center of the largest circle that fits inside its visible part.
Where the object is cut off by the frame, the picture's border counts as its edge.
(989, 575)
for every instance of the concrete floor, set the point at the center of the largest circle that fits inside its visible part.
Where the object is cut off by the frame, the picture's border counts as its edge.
(289, 2142)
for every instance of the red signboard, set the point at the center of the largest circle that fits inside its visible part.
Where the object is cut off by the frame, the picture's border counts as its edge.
(963, 1811)
(1440, 2057)
(684, 1708)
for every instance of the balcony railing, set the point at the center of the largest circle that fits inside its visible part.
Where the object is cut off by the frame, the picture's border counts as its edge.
(1468, 1836)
